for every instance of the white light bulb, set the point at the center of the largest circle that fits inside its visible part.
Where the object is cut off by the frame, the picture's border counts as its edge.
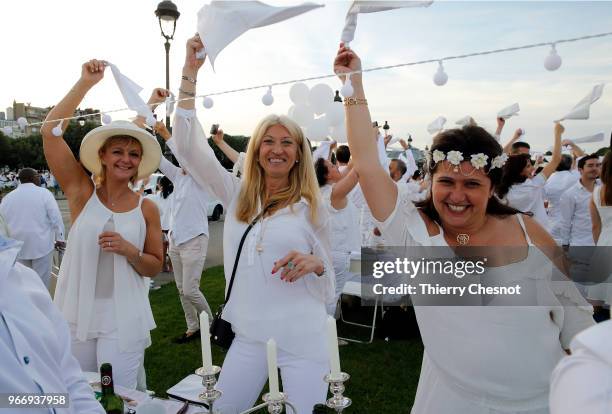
(151, 120)
(57, 131)
(7, 130)
(440, 78)
(208, 102)
(268, 99)
(106, 119)
(81, 122)
(347, 89)
(22, 122)
(553, 60)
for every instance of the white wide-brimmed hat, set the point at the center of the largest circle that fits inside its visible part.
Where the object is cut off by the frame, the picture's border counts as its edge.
(93, 141)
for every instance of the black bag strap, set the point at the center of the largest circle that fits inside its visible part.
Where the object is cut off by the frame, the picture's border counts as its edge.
(248, 229)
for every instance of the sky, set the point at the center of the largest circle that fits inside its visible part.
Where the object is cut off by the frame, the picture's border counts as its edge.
(45, 43)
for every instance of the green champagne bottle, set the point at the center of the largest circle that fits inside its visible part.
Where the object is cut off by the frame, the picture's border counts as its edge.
(111, 402)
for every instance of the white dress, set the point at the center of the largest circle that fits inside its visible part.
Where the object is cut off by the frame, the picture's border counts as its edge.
(602, 291)
(495, 359)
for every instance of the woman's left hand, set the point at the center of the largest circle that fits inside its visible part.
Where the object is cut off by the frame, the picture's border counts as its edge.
(112, 242)
(296, 264)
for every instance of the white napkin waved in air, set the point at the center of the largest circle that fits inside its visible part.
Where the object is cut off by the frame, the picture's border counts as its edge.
(437, 125)
(465, 121)
(509, 111)
(582, 109)
(350, 23)
(130, 91)
(322, 150)
(222, 22)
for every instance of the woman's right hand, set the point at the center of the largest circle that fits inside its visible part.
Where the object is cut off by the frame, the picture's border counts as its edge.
(192, 63)
(158, 96)
(92, 72)
(346, 61)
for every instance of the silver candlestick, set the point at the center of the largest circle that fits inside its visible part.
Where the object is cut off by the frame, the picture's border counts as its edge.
(336, 385)
(209, 380)
(275, 404)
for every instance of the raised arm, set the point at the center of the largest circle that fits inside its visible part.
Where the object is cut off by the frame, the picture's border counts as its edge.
(515, 137)
(551, 167)
(577, 152)
(500, 127)
(229, 152)
(192, 148)
(342, 188)
(378, 188)
(67, 171)
(595, 219)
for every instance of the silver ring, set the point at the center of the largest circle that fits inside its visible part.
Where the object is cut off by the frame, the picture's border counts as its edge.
(290, 265)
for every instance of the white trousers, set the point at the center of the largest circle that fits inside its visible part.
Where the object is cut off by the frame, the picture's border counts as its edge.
(245, 372)
(42, 266)
(342, 263)
(188, 262)
(94, 352)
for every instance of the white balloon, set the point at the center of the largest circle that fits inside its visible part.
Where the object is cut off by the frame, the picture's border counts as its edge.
(347, 89)
(317, 130)
(320, 98)
(290, 111)
(208, 102)
(22, 122)
(299, 93)
(338, 133)
(7, 130)
(268, 99)
(440, 78)
(335, 114)
(106, 119)
(303, 115)
(553, 60)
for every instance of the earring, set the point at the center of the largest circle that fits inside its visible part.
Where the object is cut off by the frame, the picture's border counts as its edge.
(297, 161)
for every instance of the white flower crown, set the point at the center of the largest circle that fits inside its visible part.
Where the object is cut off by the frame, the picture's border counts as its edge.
(455, 158)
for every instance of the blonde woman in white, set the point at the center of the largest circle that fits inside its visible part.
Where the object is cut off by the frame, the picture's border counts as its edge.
(284, 276)
(477, 359)
(115, 238)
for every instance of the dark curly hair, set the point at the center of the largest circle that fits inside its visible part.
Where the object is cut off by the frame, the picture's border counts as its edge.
(512, 173)
(468, 140)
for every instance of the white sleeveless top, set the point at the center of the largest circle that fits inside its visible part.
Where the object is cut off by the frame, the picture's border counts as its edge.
(483, 358)
(79, 291)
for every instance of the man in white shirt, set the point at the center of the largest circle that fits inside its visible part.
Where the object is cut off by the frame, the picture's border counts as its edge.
(575, 224)
(33, 217)
(558, 183)
(188, 238)
(35, 350)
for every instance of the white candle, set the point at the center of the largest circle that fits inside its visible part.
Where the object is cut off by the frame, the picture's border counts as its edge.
(205, 336)
(272, 370)
(332, 344)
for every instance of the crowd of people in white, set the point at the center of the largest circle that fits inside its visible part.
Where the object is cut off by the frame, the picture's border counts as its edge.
(293, 217)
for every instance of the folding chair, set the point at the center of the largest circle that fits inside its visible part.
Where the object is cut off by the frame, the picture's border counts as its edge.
(353, 288)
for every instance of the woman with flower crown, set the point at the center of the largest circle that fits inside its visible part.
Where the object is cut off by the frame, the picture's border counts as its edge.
(477, 359)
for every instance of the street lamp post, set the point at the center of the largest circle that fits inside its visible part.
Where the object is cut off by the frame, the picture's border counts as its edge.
(167, 14)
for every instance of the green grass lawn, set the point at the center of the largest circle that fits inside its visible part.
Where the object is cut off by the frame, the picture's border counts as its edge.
(384, 375)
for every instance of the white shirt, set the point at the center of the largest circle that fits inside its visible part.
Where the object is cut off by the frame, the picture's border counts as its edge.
(33, 217)
(556, 185)
(188, 208)
(345, 234)
(261, 305)
(164, 205)
(582, 382)
(35, 344)
(575, 226)
(529, 196)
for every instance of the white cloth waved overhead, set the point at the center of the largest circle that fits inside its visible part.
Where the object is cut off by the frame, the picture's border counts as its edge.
(411, 165)
(382, 151)
(588, 139)
(322, 150)
(465, 121)
(582, 109)
(130, 91)
(350, 24)
(222, 22)
(509, 111)
(437, 125)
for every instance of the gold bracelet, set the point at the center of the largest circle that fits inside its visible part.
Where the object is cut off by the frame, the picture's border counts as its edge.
(355, 101)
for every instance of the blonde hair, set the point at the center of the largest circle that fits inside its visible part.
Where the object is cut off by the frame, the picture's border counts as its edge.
(120, 139)
(302, 178)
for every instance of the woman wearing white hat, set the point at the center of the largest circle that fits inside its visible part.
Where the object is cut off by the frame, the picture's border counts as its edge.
(115, 238)
(284, 274)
